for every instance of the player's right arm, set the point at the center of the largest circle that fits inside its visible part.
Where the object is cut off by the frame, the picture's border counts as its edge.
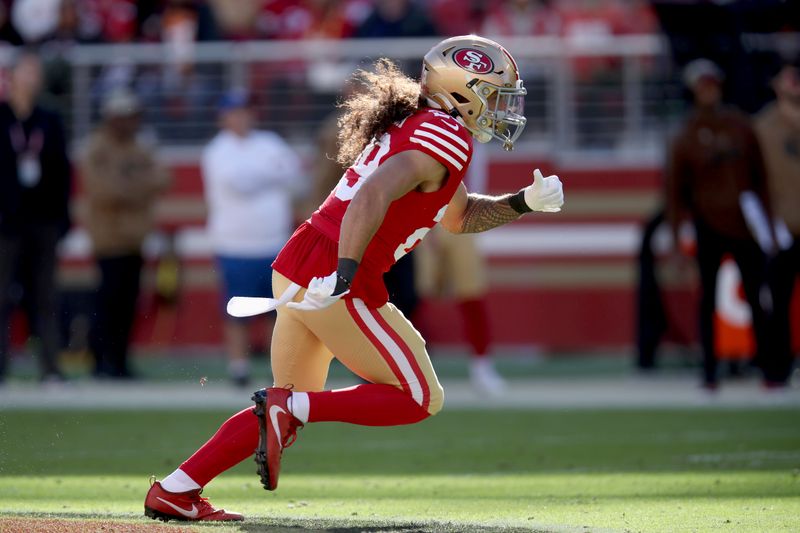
(474, 213)
(395, 177)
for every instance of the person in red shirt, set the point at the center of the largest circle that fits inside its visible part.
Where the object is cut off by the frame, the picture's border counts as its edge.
(406, 146)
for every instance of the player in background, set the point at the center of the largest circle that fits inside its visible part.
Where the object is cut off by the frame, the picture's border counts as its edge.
(406, 146)
(449, 265)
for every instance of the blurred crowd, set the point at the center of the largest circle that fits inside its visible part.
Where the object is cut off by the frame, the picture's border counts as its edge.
(719, 167)
(125, 21)
(732, 195)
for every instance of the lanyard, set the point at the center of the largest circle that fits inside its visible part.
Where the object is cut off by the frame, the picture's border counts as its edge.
(31, 145)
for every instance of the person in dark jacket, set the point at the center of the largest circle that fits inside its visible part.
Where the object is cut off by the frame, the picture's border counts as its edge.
(778, 128)
(714, 159)
(35, 180)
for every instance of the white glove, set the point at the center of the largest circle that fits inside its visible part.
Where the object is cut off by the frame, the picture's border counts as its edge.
(544, 194)
(319, 294)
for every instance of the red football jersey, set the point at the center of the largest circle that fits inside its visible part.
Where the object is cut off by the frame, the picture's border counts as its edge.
(313, 249)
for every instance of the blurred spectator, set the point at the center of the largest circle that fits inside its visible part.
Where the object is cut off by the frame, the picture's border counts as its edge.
(237, 20)
(456, 17)
(122, 181)
(8, 33)
(655, 319)
(586, 22)
(186, 85)
(312, 19)
(396, 18)
(521, 18)
(640, 17)
(650, 312)
(34, 210)
(778, 128)
(716, 158)
(251, 178)
(187, 21)
(35, 20)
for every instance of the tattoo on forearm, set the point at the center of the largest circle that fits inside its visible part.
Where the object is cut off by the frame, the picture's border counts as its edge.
(487, 212)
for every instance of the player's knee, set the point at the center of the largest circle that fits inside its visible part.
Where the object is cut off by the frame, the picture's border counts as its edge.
(436, 399)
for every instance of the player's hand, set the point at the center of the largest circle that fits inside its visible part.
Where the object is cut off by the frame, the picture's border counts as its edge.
(544, 194)
(321, 293)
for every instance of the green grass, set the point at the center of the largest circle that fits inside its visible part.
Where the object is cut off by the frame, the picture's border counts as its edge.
(598, 470)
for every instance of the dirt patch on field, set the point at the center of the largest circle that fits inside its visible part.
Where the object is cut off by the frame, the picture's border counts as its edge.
(60, 525)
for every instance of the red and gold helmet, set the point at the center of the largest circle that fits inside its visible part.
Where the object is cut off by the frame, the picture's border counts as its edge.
(477, 80)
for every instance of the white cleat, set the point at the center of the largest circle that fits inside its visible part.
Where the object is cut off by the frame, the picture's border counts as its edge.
(485, 379)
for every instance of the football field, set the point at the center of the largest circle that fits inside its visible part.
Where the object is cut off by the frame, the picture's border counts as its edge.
(709, 468)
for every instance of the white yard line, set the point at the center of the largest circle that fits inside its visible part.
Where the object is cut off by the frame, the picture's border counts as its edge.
(576, 393)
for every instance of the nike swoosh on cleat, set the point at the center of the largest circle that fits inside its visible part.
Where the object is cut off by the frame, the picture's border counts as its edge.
(188, 514)
(273, 416)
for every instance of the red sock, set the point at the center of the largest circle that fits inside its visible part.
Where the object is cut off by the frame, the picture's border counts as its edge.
(233, 442)
(476, 325)
(366, 405)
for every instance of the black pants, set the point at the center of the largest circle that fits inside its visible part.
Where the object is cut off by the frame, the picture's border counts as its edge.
(651, 316)
(30, 260)
(783, 272)
(711, 247)
(399, 282)
(115, 312)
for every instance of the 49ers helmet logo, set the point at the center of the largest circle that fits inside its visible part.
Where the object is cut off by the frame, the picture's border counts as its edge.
(473, 61)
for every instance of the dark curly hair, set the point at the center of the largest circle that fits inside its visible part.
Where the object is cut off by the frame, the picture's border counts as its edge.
(387, 96)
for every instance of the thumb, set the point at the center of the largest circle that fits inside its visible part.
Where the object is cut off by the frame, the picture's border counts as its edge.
(537, 176)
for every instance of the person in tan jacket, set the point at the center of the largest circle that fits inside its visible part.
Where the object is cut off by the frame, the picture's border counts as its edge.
(714, 159)
(778, 129)
(122, 181)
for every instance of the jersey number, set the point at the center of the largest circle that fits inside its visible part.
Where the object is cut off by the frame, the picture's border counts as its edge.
(419, 234)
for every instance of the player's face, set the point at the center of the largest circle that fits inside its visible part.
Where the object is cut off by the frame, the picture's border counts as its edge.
(507, 111)
(506, 104)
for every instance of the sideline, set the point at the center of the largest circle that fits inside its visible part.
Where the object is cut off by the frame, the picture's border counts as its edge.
(626, 392)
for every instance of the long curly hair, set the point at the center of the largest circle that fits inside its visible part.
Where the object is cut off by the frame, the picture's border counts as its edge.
(387, 96)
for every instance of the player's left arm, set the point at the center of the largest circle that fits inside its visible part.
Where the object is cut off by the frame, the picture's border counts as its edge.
(474, 213)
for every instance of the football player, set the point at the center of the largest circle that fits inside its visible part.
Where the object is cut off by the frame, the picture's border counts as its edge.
(406, 146)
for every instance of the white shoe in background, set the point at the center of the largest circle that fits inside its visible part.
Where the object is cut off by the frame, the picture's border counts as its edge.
(484, 377)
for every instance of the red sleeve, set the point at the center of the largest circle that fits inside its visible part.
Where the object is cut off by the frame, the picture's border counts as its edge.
(440, 136)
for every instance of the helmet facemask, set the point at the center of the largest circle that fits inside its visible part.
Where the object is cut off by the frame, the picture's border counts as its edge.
(503, 115)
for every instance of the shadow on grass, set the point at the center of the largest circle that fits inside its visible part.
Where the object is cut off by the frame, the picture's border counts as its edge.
(359, 526)
(267, 525)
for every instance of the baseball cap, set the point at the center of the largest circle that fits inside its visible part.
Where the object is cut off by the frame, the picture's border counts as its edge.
(233, 99)
(701, 68)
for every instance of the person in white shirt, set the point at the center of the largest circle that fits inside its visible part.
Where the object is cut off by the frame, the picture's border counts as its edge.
(251, 179)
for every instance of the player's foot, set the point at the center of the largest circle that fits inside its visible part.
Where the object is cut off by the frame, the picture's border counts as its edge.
(163, 505)
(484, 377)
(277, 430)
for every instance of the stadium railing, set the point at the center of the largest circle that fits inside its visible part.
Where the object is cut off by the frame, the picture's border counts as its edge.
(613, 95)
